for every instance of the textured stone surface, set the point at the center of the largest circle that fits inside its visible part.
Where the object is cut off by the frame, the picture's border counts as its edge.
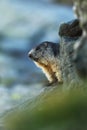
(80, 8)
(70, 29)
(68, 39)
(80, 56)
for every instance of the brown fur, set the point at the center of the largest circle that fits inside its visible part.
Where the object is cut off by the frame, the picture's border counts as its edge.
(47, 69)
(46, 56)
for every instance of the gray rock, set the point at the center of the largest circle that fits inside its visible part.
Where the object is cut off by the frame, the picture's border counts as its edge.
(80, 56)
(67, 41)
(70, 29)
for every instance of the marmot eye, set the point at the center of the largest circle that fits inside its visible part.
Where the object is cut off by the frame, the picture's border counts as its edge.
(37, 48)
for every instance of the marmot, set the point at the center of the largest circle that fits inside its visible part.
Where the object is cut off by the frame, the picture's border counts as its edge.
(46, 56)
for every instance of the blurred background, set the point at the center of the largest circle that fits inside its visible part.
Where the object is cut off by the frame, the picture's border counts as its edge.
(23, 25)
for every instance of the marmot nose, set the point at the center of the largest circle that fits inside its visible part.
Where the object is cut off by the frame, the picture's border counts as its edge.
(30, 55)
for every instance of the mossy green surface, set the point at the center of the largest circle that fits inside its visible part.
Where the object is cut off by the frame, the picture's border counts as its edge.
(52, 110)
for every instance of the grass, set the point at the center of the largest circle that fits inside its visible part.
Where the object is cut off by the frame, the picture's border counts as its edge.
(52, 110)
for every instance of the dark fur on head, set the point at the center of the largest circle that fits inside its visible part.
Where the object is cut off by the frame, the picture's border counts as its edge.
(43, 50)
(55, 47)
(46, 56)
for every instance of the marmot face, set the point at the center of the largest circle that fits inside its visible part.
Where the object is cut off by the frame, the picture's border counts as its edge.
(44, 53)
(46, 56)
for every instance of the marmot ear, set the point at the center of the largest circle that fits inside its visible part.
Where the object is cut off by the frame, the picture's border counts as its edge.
(46, 44)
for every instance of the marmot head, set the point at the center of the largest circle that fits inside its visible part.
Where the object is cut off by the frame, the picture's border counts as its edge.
(44, 53)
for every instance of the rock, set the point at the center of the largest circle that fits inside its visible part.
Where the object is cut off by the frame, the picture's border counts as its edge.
(70, 29)
(67, 41)
(80, 8)
(80, 57)
(80, 54)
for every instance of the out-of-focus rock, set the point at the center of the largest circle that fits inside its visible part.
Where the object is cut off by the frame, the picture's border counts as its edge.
(23, 20)
(80, 9)
(80, 56)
